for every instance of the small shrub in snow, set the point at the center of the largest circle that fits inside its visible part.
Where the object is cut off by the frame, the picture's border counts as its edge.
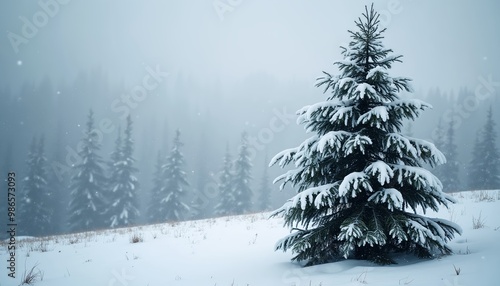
(478, 222)
(136, 238)
(74, 240)
(485, 196)
(457, 269)
(466, 252)
(31, 276)
(40, 247)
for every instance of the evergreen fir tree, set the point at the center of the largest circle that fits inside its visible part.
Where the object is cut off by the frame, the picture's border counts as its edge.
(156, 210)
(242, 192)
(123, 208)
(449, 171)
(35, 213)
(491, 154)
(264, 201)
(439, 137)
(174, 187)
(200, 205)
(360, 181)
(476, 174)
(484, 168)
(227, 200)
(116, 156)
(87, 205)
(58, 185)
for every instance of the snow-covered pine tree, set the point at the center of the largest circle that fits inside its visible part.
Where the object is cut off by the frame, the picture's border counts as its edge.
(115, 156)
(439, 137)
(25, 204)
(87, 205)
(485, 164)
(156, 210)
(360, 182)
(227, 201)
(123, 185)
(264, 199)
(476, 176)
(58, 183)
(174, 186)
(35, 213)
(242, 191)
(491, 154)
(449, 171)
(200, 205)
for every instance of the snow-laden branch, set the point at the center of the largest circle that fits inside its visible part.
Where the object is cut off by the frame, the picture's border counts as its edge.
(375, 115)
(285, 157)
(365, 89)
(323, 109)
(354, 183)
(438, 230)
(408, 107)
(346, 113)
(357, 142)
(402, 145)
(380, 169)
(392, 197)
(376, 70)
(426, 147)
(416, 148)
(314, 195)
(333, 139)
(419, 177)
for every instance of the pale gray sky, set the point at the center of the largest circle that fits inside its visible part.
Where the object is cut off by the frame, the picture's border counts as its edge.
(444, 43)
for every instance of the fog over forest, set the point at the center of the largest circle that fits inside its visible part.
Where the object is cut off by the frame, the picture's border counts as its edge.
(215, 69)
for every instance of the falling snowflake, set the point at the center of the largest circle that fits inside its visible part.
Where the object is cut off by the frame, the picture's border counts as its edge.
(19, 63)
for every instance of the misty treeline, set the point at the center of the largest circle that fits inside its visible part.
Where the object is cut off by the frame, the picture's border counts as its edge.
(204, 128)
(104, 193)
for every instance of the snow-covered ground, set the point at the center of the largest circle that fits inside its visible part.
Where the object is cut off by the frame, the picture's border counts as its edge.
(240, 251)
